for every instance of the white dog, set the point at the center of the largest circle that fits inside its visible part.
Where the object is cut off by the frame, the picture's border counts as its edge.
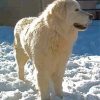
(48, 40)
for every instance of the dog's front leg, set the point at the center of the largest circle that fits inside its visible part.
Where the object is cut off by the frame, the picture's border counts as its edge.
(57, 78)
(43, 83)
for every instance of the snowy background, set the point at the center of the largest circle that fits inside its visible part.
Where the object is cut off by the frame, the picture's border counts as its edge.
(82, 74)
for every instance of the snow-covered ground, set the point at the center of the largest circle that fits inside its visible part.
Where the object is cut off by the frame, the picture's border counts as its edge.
(82, 74)
(81, 78)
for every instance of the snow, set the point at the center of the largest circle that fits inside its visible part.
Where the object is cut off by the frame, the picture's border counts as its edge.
(82, 75)
(81, 78)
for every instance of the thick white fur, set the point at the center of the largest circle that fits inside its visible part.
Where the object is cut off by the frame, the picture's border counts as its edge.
(48, 40)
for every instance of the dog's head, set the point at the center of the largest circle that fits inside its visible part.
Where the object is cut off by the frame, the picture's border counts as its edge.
(71, 12)
(76, 16)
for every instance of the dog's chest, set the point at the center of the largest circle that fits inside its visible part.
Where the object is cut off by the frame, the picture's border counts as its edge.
(58, 46)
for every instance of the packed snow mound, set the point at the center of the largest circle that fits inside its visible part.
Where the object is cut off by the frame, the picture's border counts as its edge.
(81, 78)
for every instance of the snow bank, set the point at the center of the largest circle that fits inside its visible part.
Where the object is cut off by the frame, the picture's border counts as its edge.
(81, 78)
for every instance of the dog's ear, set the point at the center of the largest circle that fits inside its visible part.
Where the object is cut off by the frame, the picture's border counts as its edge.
(59, 8)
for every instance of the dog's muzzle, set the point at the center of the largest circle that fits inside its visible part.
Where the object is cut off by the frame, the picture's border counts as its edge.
(79, 26)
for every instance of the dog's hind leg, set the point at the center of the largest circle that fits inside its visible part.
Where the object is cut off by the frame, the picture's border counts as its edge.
(21, 56)
(21, 59)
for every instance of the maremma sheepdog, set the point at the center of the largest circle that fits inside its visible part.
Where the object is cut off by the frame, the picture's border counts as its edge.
(48, 40)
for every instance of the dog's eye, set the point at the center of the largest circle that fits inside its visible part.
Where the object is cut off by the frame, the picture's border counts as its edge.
(76, 9)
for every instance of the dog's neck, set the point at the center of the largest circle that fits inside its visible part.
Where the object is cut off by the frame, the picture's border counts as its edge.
(60, 26)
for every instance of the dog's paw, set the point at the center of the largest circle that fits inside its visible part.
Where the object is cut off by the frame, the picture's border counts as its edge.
(27, 81)
(56, 98)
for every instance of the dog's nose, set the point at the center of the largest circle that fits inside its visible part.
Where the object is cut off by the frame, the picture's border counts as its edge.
(91, 16)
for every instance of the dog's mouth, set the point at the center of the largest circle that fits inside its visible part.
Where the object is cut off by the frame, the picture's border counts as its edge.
(79, 26)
